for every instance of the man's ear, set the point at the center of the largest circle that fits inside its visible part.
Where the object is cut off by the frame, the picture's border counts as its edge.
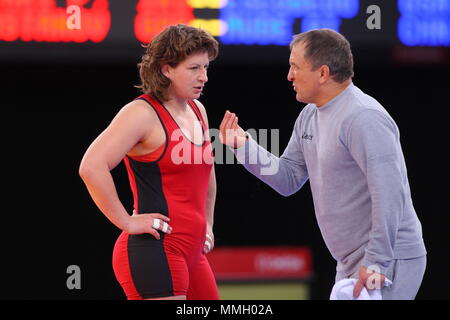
(324, 73)
(165, 69)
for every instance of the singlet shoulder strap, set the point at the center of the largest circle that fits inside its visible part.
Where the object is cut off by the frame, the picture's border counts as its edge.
(198, 113)
(163, 115)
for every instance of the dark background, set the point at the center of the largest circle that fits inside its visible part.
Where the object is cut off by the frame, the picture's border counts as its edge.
(52, 109)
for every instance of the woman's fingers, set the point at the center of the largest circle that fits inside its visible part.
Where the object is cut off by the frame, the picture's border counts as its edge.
(209, 244)
(152, 223)
(161, 225)
(155, 233)
(160, 216)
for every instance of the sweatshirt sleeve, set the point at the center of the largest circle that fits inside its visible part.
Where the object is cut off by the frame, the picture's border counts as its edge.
(374, 143)
(286, 174)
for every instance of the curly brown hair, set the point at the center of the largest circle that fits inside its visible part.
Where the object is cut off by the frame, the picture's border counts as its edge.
(172, 46)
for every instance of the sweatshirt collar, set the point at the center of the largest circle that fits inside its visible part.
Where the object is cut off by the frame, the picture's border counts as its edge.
(334, 101)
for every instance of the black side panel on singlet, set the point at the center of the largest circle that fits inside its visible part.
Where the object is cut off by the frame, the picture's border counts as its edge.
(149, 266)
(146, 254)
(151, 198)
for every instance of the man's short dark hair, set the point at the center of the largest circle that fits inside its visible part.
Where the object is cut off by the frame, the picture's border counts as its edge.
(327, 47)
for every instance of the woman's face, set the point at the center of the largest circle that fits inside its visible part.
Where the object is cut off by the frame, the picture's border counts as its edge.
(188, 77)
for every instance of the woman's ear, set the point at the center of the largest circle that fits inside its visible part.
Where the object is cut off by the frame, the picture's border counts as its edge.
(165, 69)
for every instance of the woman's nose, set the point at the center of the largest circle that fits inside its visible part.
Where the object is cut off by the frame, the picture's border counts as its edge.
(203, 76)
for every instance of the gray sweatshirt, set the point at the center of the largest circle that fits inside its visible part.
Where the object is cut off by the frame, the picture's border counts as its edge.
(350, 151)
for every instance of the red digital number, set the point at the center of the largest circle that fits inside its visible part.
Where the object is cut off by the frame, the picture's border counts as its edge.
(154, 15)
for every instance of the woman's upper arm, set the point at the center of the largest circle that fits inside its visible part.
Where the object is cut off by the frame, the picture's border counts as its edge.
(128, 127)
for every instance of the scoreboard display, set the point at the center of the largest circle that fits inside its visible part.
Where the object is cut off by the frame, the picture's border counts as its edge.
(35, 29)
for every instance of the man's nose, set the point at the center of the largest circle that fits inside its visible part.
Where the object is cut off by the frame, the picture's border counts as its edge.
(290, 76)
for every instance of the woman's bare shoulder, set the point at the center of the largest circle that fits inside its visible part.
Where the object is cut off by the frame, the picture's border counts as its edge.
(139, 109)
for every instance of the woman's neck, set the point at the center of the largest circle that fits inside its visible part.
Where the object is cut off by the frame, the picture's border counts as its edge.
(176, 105)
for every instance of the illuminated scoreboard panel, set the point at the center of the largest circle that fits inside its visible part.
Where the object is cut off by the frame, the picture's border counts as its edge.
(121, 23)
(153, 16)
(424, 23)
(270, 22)
(44, 21)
